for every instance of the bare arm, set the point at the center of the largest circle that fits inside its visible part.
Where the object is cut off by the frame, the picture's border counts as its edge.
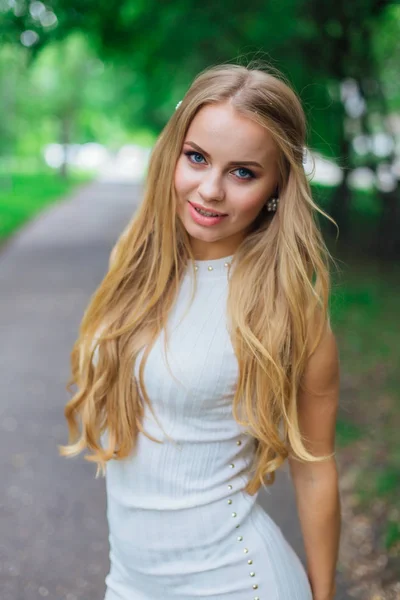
(316, 484)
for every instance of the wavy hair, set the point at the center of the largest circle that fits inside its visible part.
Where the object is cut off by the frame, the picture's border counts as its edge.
(277, 305)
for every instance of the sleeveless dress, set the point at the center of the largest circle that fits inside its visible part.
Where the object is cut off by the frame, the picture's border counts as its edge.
(180, 525)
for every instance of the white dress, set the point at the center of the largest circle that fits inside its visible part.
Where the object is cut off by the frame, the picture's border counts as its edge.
(180, 525)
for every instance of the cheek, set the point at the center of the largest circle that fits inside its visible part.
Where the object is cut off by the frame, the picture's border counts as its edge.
(177, 178)
(250, 205)
(182, 179)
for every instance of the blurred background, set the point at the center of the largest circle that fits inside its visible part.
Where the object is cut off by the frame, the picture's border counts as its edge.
(85, 87)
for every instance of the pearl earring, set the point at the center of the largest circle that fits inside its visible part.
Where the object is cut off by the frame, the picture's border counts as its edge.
(272, 204)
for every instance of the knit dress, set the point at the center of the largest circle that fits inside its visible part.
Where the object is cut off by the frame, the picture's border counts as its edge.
(181, 526)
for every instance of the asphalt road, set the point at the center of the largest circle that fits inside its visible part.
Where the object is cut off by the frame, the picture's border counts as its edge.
(53, 541)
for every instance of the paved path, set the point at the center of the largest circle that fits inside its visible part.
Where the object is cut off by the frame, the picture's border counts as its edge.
(53, 541)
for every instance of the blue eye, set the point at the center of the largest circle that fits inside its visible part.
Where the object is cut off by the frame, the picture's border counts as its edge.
(250, 173)
(190, 154)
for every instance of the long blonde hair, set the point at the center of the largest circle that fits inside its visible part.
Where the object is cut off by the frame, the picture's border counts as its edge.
(278, 296)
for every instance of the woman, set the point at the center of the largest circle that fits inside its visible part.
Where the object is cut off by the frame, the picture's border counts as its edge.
(206, 358)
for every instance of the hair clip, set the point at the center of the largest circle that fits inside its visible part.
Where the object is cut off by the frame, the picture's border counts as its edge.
(178, 105)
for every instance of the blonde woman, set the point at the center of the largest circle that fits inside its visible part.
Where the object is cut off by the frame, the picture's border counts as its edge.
(205, 359)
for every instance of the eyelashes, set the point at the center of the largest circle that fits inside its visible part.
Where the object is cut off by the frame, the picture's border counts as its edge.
(191, 153)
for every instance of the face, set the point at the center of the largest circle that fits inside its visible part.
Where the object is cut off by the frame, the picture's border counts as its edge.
(228, 164)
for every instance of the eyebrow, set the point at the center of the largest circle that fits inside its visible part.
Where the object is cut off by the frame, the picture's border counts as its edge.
(232, 162)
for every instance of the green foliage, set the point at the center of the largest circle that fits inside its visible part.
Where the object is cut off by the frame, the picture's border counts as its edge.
(24, 195)
(392, 535)
(387, 481)
(66, 95)
(364, 307)
(382, 483)
(364, 316)
(12, 68)
(387, 51)
(106, 69)
(347, 432)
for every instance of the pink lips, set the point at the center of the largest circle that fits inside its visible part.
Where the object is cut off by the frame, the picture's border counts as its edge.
(202, 219)
(216, 212)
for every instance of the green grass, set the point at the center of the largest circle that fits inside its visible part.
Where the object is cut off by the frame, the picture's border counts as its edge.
(346, 432)
(392, 534)
(364, 306)
(387, 482)
(24, 194)
(365, 314)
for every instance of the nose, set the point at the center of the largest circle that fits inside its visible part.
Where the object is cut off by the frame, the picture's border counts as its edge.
(211, 188)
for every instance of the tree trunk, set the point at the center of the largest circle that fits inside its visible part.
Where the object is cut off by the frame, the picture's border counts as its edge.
(389, 234)
(65, 127)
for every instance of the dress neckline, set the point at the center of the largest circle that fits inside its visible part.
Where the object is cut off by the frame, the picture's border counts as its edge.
(212, 269)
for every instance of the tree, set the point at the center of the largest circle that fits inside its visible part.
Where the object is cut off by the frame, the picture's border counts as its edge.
(159, 47)
(343, 49)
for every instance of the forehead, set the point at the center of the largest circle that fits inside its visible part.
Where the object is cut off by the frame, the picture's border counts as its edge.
(221, 128)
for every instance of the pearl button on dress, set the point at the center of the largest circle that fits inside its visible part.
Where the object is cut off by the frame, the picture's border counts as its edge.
(181, 526)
